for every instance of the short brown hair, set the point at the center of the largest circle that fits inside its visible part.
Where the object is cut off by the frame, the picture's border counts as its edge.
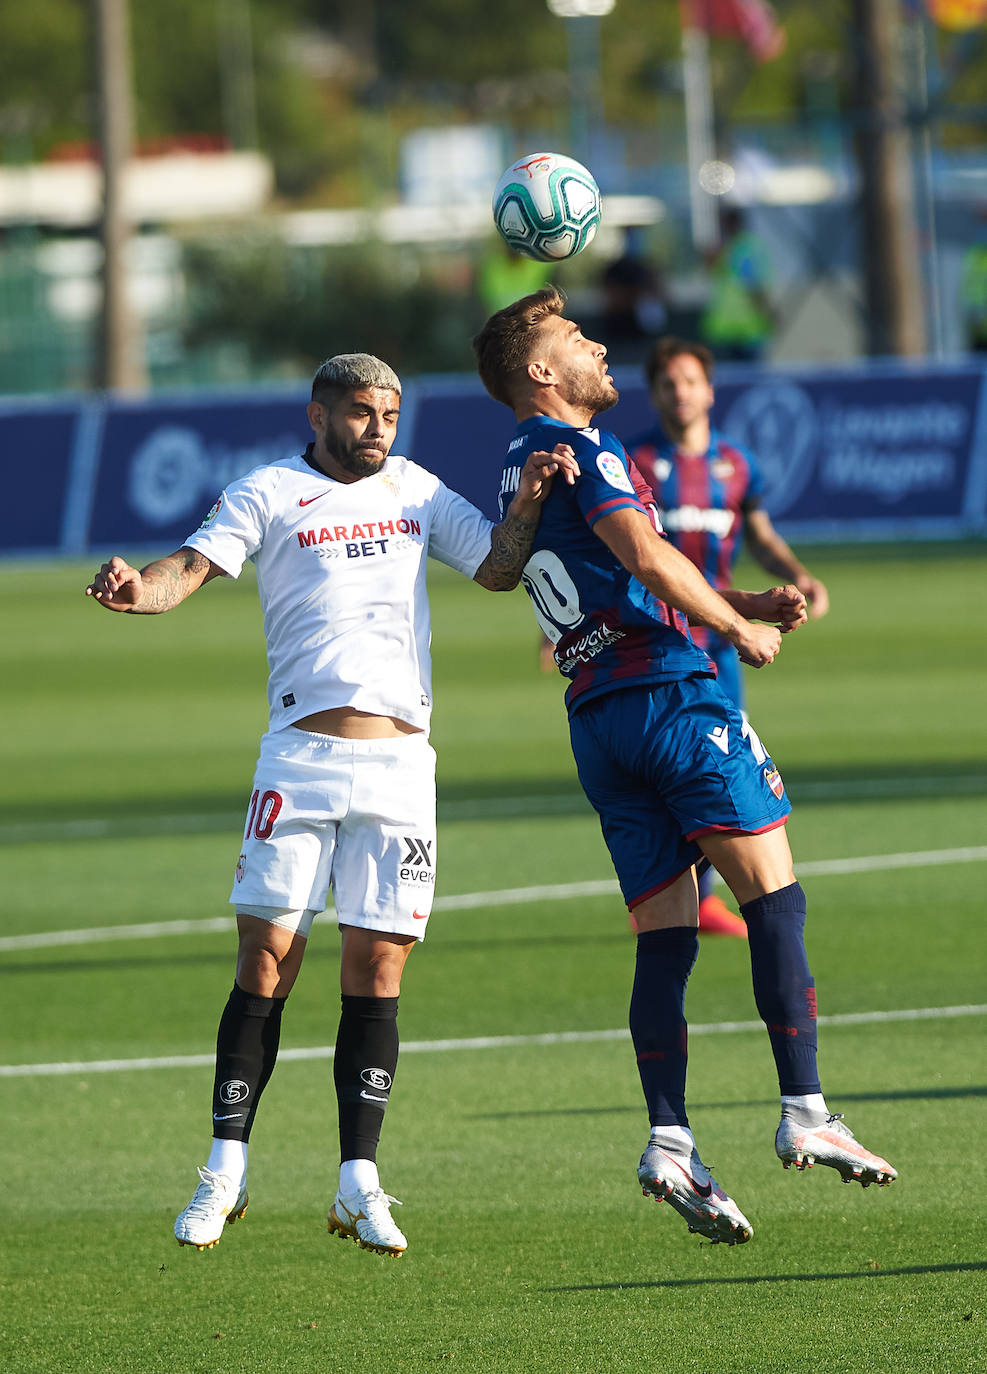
(667, 348)
(503, 346)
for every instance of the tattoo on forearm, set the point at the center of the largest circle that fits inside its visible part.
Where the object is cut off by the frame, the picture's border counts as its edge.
(510, 549)
(170, 580)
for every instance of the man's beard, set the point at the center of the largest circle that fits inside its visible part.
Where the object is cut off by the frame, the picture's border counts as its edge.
(592, 393)
(358, 464)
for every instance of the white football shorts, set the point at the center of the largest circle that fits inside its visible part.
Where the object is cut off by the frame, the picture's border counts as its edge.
(356, 816)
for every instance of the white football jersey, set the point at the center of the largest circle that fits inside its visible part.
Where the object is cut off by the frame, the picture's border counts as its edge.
(341, 575)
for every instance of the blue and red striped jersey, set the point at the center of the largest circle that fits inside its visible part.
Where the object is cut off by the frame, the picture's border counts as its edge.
(609, 631)
(702, 498)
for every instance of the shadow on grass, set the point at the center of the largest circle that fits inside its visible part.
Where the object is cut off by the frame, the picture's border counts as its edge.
(29, 962)
(910, 1095)
(971, 1266)
(163, 813)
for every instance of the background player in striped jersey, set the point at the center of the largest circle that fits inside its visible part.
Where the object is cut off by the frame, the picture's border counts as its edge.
(344, 790)
(664, 755)
(709, 492)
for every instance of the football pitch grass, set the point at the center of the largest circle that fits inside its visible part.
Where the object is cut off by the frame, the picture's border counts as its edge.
(517, 1119)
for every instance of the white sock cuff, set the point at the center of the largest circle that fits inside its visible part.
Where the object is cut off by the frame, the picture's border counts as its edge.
(228, 1157)
(358, 1176)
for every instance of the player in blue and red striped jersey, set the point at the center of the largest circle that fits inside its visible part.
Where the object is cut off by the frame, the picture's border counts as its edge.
(671, 766)
(709, 493)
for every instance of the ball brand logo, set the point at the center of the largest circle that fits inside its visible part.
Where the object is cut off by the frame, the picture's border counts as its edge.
(538, 163)
(234, 1090)
(376, 1078)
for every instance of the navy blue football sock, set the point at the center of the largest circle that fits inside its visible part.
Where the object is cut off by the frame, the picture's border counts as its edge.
(665, 959)
(783, 986)
(363, 1066)
(246, 1052)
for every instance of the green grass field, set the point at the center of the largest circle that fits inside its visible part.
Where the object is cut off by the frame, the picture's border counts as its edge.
(127, 759)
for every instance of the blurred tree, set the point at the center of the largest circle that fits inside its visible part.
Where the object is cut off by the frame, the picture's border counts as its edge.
(44, 76)
(291, 309)
(316, 64)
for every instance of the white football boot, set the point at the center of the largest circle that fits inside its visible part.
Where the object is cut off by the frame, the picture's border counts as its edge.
(217, 1202)
(832, 1143)
(682, 1179)
(366, 1218)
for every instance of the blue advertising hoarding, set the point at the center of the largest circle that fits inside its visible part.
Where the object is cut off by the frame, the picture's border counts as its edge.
(36, 459)
(881, 452)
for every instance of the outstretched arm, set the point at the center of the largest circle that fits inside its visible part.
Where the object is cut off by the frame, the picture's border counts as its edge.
(776, 557)
(670, 576)
(158, 587)
(511, 540)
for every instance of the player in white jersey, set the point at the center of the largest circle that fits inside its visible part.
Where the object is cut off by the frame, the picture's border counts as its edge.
(344, 791)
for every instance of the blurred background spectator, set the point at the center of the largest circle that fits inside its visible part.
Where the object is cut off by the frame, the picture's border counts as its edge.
(738, 320)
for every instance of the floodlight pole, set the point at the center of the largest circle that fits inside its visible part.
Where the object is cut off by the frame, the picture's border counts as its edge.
(699, 139)
(120, 357)
(892, 264)
(582, 31)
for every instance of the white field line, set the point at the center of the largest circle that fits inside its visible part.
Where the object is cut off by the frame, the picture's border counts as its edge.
(512, 896)
(484, 1042)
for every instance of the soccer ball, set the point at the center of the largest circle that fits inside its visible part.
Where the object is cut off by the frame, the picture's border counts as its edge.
(547, 206)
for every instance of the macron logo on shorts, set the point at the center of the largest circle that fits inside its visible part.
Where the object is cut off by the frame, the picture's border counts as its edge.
(721, 737)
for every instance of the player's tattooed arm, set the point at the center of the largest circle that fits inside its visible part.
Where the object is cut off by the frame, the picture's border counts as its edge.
(511, 541)
(510, 549)
(159, 587)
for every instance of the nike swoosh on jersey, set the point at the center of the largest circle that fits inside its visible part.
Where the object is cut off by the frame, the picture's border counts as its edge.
(420, 915)
(308, 501)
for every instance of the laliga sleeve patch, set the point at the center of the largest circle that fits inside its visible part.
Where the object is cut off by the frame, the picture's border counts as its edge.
(212, 514)
(613, 471)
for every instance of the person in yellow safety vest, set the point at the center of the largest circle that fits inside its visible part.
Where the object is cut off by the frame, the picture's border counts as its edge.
(738, 319)
(506, 276)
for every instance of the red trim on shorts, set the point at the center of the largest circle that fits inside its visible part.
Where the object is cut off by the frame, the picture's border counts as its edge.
(660, 888)
(732, 830)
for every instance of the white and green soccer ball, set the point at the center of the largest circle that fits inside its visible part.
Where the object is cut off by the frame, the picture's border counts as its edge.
(547, 206)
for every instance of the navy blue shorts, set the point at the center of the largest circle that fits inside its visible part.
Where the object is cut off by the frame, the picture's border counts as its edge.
(665, 763)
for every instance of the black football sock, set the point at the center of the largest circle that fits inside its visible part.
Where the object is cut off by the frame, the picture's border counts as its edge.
(363, 1068)
(783, 986)
(665, 958)
(246, 1052)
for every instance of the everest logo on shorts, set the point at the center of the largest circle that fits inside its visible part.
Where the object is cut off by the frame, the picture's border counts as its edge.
(417, 864)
